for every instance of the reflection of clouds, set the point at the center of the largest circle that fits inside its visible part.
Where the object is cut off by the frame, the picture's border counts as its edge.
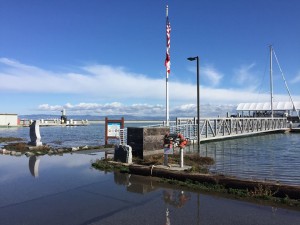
(13, 168)
(69, 160)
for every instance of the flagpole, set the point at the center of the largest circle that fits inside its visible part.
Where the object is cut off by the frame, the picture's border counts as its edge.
(167, 64)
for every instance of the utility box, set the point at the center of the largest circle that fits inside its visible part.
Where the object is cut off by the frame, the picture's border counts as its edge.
(143, 139)
(123, 153)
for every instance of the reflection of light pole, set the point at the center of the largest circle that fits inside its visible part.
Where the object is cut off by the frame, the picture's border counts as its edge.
(198, 101)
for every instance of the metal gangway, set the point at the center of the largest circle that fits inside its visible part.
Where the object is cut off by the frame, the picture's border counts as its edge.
(222, 128)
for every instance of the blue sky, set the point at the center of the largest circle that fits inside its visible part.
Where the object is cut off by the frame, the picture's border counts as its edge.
(103, 57)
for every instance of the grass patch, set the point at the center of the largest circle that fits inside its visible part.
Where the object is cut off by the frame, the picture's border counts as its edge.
(103, 164)
(19, 147)
(198, 163)
(9, 139)
(108, 166)
(261, 193)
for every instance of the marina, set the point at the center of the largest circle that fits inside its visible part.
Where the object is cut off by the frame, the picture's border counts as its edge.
(115, 112)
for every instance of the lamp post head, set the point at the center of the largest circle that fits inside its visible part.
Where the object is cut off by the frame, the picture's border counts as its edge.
(192, 58)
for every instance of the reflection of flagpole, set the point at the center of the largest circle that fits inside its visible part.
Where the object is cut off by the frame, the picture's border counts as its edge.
(168, 222)
(167, 64)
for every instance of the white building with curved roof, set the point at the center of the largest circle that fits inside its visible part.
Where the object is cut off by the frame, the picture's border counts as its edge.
(277, 106)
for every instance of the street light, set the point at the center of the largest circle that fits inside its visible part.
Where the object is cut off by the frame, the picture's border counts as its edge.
(198, 101)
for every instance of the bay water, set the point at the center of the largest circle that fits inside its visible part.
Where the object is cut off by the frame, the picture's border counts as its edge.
(65, 189)
(272, 157)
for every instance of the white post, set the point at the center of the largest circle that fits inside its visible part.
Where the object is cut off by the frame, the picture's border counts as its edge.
(181, 157)
(167, 100)
(271, 80)
(167, 65)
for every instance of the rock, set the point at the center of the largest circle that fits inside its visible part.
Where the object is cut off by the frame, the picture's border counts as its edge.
(60, 150)
(28, 154)
(50, 152)
(13, 153)
(6, 152)
(75, 149)
(18, 153)
(85, 147)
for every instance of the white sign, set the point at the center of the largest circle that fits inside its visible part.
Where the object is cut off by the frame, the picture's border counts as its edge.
(113, 129)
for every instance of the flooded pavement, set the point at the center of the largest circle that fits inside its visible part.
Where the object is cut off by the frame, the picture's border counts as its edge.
(272, 157)
(66, 190)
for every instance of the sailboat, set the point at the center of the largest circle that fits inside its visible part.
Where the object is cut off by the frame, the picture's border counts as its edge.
(271, 109)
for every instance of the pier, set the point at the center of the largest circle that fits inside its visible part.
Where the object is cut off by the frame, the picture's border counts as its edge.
(54, 122)
(213, 129)
(224, 128)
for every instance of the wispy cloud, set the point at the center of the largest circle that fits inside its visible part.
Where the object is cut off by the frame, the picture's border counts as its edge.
(210, 73)
(114, 90)
(296, 79)
(245, 76)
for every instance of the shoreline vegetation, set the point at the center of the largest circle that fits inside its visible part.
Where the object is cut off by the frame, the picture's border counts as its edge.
(198, 178)
(15, 147)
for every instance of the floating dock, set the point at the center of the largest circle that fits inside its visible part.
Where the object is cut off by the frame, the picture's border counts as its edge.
(55, 122)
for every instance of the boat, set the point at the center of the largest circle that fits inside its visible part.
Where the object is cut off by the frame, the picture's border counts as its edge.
(289, 109)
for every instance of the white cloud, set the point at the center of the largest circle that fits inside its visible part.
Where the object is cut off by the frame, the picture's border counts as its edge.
(211, 74)
(114, 108)
(117, 108)
(123, 92)
(244, 76)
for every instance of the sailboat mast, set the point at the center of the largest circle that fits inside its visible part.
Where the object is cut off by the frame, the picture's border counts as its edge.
(271, 80)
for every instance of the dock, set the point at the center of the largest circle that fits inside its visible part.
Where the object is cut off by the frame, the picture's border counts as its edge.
(55, 122)
(214, 129)
(231, 127)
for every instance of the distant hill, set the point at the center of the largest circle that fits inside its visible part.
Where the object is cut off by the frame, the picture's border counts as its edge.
(90, 117)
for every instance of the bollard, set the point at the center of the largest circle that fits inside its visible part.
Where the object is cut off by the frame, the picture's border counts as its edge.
(166, 160)
(181, 157)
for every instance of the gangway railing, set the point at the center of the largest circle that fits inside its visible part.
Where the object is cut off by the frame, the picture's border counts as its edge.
(123, 136)
(218, 128)
(226, 127)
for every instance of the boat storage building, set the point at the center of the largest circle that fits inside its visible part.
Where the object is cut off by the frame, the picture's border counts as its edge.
(8, 119)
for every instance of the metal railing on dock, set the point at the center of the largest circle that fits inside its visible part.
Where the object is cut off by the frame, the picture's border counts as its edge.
(221, 128)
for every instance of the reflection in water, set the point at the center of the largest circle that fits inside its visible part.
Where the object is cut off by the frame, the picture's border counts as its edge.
(272, 157)
(168, 222)
(176, 198)
(138, 184)
(88, 196)
(34, 162)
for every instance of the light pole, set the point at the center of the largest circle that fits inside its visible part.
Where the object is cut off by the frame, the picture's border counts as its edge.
(198, 102)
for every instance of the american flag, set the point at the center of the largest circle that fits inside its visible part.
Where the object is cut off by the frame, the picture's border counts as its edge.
(167, 61)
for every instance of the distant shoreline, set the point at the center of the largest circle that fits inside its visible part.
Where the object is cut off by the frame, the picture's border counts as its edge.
(129, 121)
